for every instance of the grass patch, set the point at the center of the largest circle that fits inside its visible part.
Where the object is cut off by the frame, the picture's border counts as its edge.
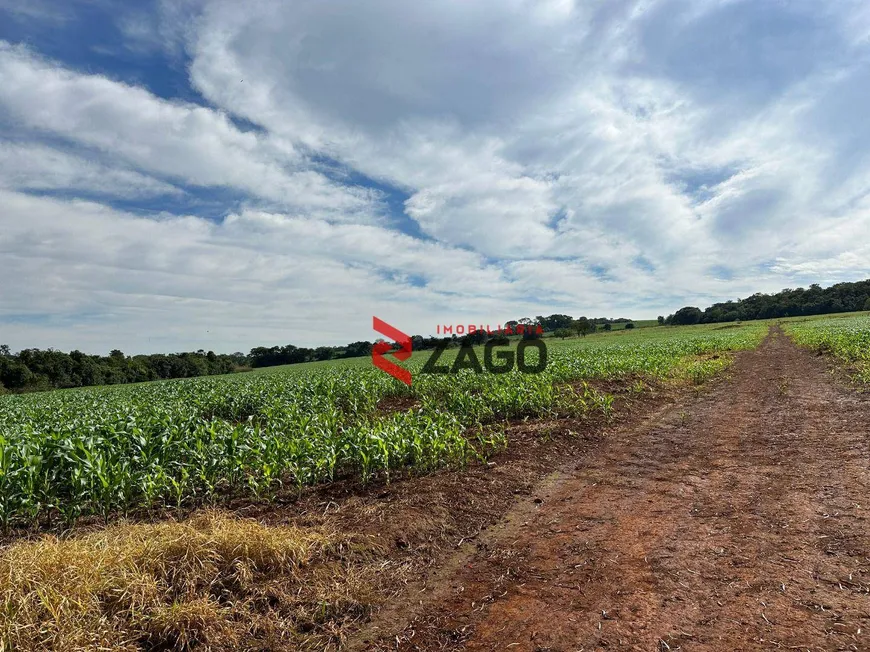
(214, 582)
(699, 369)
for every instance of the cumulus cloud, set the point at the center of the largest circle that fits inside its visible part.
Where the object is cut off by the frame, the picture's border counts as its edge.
(36, 167)
(193, 144)
(604, 114)
(254, 277)
(424, 162)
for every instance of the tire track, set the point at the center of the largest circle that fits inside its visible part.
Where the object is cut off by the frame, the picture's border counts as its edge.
(736, 520)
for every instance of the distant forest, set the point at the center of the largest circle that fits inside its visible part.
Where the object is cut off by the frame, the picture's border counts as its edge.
(815, 300)
(35, 369)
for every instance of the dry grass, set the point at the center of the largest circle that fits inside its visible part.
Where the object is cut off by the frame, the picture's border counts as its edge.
(214, 582)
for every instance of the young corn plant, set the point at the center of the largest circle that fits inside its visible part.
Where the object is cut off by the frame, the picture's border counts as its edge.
(113, 449)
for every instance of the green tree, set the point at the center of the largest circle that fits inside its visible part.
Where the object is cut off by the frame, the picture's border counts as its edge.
(358, 349)
(686, 316)
(555, 322)
(323, 353)
(867, 304)
(15, 375)
(582, 326)
(629, 326)
(562, 333)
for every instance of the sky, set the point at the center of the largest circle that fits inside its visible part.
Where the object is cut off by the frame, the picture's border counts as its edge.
(214, 174)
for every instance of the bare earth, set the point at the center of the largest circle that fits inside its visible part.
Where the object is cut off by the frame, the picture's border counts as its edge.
(736, 520)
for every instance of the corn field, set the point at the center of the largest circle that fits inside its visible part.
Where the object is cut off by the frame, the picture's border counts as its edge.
(846, 338)
(108, 450)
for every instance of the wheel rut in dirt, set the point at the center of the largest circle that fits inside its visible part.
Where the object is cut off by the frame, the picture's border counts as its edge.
(736, 520)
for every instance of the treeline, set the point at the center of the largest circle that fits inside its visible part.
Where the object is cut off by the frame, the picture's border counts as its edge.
(289, 354)
(280, 355)
(35, 369)
(262, 356)
(814, 300)
(40, 370)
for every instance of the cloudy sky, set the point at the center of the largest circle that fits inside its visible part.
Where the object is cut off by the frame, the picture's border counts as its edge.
(188, 174)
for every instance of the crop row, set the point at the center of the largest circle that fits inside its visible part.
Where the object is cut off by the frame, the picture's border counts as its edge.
(99, 450)
(846, 338)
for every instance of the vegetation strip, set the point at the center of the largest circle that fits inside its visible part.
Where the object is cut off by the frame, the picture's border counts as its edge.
(108, 450)
(846, 338)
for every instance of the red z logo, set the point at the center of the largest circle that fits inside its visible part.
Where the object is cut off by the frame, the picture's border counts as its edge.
(382, 348)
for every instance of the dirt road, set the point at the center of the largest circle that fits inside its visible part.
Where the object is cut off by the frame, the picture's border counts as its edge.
(735, 521)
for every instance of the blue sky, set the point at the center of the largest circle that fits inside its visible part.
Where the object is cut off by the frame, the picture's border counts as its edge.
(213, 174)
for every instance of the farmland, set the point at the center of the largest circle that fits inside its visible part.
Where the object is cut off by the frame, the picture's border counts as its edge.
(359, 485)
(845, 338)
(111, 450)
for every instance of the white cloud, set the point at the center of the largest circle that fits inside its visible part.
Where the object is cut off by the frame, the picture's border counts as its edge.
(598, 157)
(196, 145)
(184, 282)
(36, 10)
(38, 167)
(257, 277)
